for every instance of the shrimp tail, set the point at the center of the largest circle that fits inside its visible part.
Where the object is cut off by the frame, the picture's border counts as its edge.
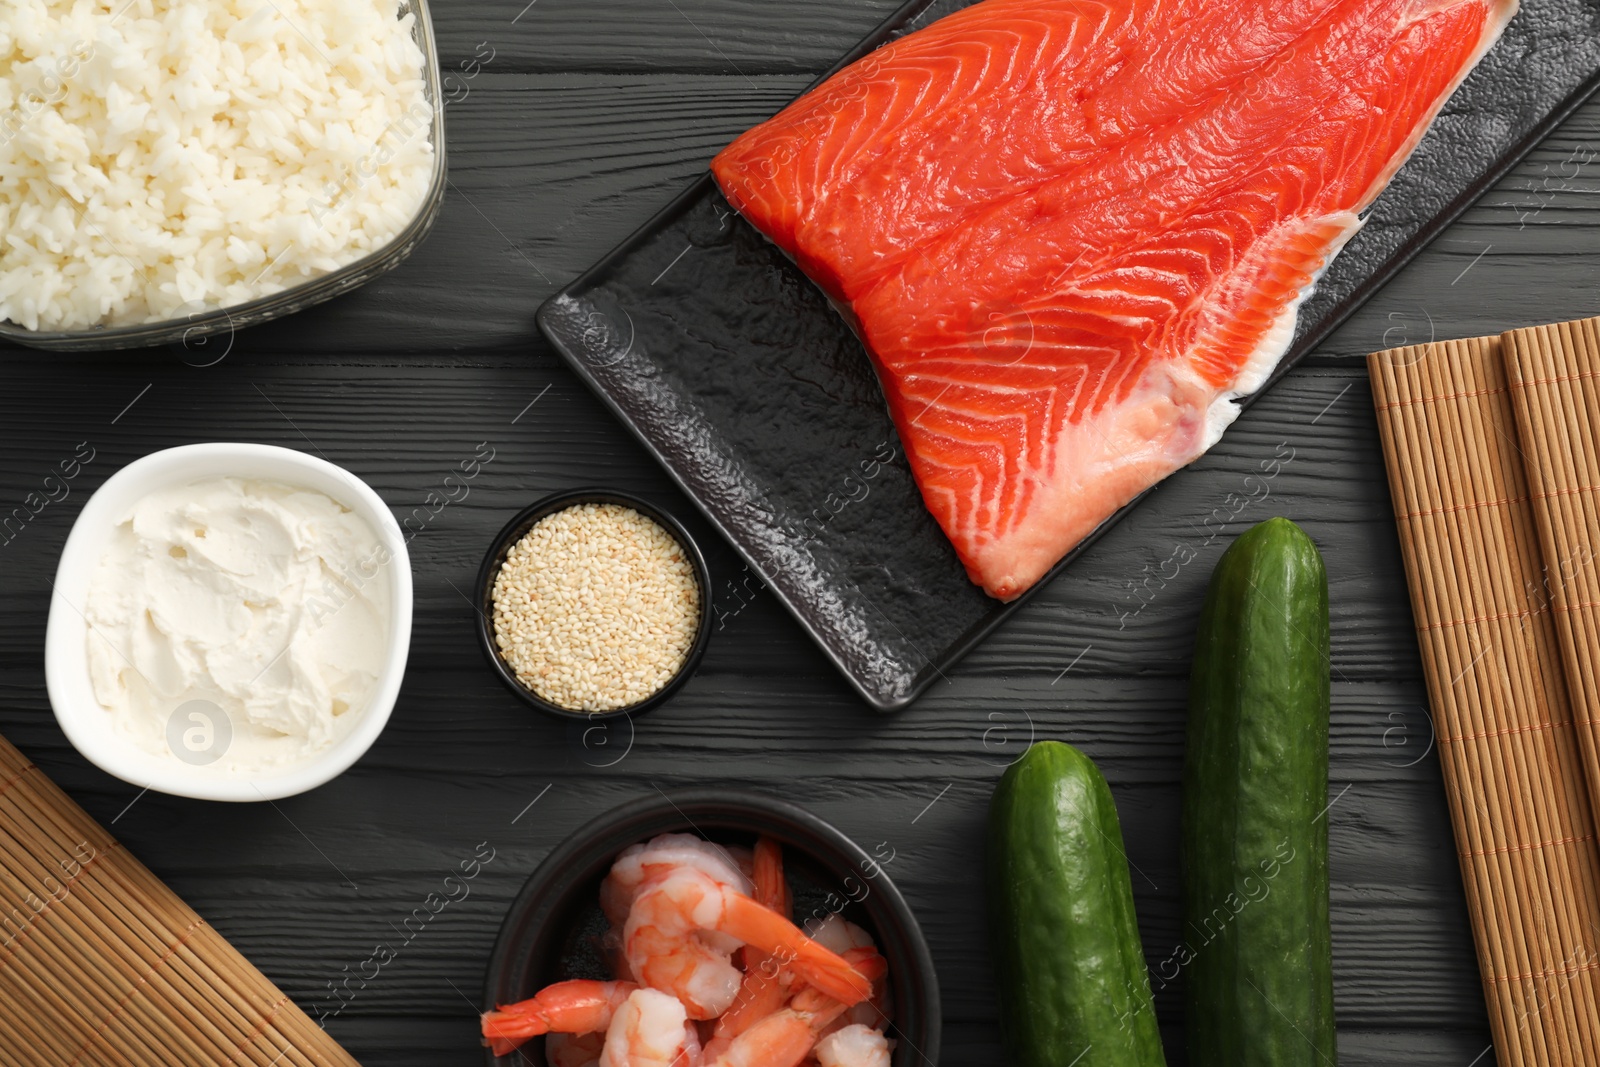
(771, 888)
(770, 932)
(504, 1031)
(766, 983)
(814, 1000)
(510, 1025)
(576, 1007)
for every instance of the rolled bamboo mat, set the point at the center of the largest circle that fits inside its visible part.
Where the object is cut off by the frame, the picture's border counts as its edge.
(1508, 745)
(102, 964)
(1555, 384)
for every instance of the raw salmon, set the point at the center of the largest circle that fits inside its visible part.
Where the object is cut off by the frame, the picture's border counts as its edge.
(1071, 234)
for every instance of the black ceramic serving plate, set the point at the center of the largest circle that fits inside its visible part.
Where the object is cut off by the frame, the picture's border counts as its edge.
(736, 373)
(515, 529)
(553, 929)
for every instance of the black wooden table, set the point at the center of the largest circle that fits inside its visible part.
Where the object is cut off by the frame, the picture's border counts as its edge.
(570, 123)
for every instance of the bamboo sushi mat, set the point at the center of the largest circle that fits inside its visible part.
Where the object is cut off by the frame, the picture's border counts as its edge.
(1494, 466)
(102, 964)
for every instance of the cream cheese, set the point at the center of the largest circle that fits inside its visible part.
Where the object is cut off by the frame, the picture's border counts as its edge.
(238, 624)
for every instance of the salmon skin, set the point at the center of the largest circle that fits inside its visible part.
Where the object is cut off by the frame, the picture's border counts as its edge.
(1072, 233)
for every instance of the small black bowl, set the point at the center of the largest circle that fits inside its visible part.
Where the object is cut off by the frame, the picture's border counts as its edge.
(553, 929)
(517, 528)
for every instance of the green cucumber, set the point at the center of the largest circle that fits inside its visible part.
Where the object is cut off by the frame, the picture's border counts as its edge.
(1259, 972)
(1074, 988)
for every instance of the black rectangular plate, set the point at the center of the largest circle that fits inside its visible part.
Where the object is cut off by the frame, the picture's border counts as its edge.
(735, 372)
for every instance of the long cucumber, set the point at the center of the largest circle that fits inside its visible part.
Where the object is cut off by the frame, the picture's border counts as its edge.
(1259, 974)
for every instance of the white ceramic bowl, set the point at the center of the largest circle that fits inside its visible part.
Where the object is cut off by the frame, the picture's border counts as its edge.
(66, 641)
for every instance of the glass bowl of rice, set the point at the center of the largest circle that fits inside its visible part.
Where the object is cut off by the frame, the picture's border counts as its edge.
(179, 169)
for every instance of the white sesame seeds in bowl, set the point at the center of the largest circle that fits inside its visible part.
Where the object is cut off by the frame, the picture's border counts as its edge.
(593, 605)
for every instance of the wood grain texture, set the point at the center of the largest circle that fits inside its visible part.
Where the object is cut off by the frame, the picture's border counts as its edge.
(581, 127)
(734, 37)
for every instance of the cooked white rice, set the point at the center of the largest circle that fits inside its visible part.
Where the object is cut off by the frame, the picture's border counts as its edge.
(158, 157)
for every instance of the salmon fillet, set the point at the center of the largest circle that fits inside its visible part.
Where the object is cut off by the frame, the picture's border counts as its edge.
(1071, 234)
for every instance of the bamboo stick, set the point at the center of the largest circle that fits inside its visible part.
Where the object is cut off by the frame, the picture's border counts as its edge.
(1555, 375)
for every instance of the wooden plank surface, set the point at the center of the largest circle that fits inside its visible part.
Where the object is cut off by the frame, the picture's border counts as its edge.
(588, 118)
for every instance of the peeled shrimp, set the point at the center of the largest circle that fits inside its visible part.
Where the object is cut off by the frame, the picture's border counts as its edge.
(574, 1050)
(576, 1007)
(854, 1046)
(786, 1037)
(667, 933)
(661, 854)
(651, 1029)
(638, 863)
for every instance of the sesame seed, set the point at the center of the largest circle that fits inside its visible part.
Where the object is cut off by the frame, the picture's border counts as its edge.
(596, 607)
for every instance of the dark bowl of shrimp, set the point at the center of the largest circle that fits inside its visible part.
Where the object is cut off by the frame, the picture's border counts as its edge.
(711, 928)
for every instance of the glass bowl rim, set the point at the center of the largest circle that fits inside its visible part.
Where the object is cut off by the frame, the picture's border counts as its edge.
(210, 322)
